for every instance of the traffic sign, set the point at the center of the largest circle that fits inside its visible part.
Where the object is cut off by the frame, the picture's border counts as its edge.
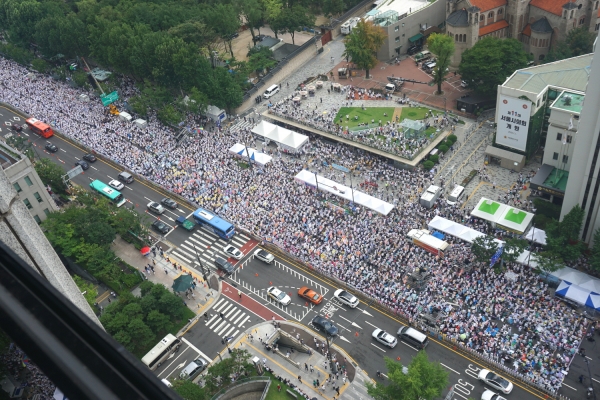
(109, 98)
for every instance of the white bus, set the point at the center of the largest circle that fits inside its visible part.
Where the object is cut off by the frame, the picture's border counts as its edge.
(161, 351)
(347, 26)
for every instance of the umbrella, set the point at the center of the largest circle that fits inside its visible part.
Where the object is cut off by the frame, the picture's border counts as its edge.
(145, 250)
(182, 283)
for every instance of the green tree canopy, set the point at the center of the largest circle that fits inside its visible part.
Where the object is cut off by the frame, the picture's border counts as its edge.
(483, 248)
(562, 238)
(260, 58)
(51, 175)
(188, 390)
(513, 248)
(443, 47)
(424, 380)
(363, 43)
(595, 252)
(487, 64)
(88, 289)
(579, 41)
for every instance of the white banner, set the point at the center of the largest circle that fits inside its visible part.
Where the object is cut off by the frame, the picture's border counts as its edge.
(513, 122)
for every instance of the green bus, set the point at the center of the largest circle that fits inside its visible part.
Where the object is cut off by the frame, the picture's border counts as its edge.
(113, 195)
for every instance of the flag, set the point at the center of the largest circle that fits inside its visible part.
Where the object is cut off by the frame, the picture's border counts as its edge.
(571, 123)
(496, 256)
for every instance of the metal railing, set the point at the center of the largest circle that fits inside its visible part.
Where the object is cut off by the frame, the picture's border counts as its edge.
(242, 382)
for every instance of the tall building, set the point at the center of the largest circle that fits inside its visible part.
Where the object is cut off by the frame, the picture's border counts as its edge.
(538, 24)
(26, 182)
(583, 184)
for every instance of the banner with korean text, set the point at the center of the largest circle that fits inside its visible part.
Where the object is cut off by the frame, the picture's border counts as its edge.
(513, 122)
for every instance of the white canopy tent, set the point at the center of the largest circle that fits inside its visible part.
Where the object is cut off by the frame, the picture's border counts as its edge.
(578, 278)
(285, 138)
(327, 185)
(455, 229)
(240, 151)
(536, 235)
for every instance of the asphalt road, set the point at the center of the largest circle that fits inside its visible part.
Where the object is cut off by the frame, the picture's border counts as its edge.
(253, 278)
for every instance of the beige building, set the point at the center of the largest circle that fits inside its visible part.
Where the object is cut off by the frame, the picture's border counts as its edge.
(538, 24)
(27, 183)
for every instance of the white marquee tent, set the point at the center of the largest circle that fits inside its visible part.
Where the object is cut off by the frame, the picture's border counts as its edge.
(536, 235)
(285, 138)
(327, 185)
(256, 156)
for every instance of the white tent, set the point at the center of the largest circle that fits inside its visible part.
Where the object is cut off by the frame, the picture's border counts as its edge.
(578, 278)
(572, 292)
(536, 235)
(327, 185)
(286, 139)
(240, 151)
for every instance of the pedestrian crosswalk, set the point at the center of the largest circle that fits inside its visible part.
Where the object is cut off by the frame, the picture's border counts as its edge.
(242, 125)
(208, 246)
(227, 319)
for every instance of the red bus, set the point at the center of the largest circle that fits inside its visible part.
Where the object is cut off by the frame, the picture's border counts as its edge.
(42, 129)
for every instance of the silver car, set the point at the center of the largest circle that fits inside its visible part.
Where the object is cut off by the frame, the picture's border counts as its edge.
(155, 207)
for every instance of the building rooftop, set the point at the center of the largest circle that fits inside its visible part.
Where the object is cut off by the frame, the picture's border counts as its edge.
(541, 25)
(486, 5)
(8, 155)
(458, 18)
(527, 30)
(569, 101)
(571, 73)
(557, 179)
(496, 26)
(402, 7)
(552, 6)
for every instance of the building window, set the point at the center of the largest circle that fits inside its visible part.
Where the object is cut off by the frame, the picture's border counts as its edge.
(500, 12)
(582, 20)
(597, 27)
(482, 17)
(396, 29)
(46, 211)
(565, 159)
(28, 181)
(542, 56)
(37, 219)
(38, 197)
(559, 136)
(565, 14)
(555, 156)
(571, 17)
(464, 37)
(28, 204)
(596, 6)
(17, 187)
(491, 15)
(569, 138)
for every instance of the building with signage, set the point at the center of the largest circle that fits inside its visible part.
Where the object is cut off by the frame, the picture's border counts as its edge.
(583, 186)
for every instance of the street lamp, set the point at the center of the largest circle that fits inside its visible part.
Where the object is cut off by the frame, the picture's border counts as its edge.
(201, 265)
(331, 363)
(316, 181)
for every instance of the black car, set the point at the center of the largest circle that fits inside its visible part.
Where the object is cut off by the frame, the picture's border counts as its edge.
(51, 147)
(17, 128)
(232, 36)
(89, 157)
(258, 38)
(160, 227)
(84, 165)
(414, 49)
(322, 324)
(169, 203)
(224, 265)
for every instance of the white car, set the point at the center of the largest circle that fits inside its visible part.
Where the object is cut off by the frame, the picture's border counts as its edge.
(279, 296)
(115, 184)
(346, 298)
(495, 381)
(489, 395)
(385, 338)
(264, 256)
(233, 252)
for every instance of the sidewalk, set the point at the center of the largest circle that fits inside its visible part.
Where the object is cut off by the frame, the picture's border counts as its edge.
(165, 273)
(300, 367)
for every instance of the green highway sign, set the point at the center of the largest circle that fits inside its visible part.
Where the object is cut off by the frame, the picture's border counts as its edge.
(109, 98)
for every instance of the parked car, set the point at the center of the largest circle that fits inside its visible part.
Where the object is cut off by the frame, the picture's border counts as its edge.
(385, 338)
(310, 295)
(51, 147)
(155, 207)
(264, 256)
(324, 325)
(346, 298)
(185, 223)
(279, 296)
(489, 395)
(234, 252)
(172, 204)
(224, 265)
(161, 227)
(84, 165)
(89, 157)
(193, 369)
(115, 184)
(496, 381)
(16, 127)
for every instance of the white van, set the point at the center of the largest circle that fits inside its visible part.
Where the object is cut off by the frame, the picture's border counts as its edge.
(271, 91)
(455, 195)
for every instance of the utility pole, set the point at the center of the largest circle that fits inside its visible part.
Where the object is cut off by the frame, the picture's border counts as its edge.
(201, 265)
(331, 363)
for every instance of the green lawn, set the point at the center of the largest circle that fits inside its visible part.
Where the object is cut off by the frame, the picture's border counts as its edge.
(370, 113)
(416, 113)
(273, 394)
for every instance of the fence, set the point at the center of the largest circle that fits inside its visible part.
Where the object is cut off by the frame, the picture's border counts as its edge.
(243, 382)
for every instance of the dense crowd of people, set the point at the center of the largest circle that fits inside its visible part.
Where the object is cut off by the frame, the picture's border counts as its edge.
(389, 136)
(509, 316)
(27, 375)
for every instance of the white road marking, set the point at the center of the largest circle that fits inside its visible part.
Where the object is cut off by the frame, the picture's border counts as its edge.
(378, 348)
(408, 345)
(570, 387)
(344, 339)
(365, 312)
(383, 374)
(184, 340)
(344, 318)
(371, 324)
(354, 324)
(596, 380)
(443, 365)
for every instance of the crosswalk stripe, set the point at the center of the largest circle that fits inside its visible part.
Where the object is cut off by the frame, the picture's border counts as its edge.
(235, 333)
(236, 313)
(203, 238)
(220, 333)
(219, 302)
(230, 311)
(176, 252)
(228, 332)
(212, 319)
(240, 317)
(243, 321)
(227, 308)
(217, 309)
(217, 323)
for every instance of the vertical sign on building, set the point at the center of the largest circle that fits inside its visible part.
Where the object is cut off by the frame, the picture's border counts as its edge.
(513, 122)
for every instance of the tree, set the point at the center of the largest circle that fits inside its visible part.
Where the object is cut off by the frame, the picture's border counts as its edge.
(88, 289)
(332, 7)
(562, 238)
(579, 41)
(260, 58)
(224, 20)
(487, 64)
(443, 47)
(51, 175)
(549, 261)
(484, 247)
(363, 43)
(295, 18)
(513, 248)
(423, 380)
(253, 12)
(188, 390)
(595, 252)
